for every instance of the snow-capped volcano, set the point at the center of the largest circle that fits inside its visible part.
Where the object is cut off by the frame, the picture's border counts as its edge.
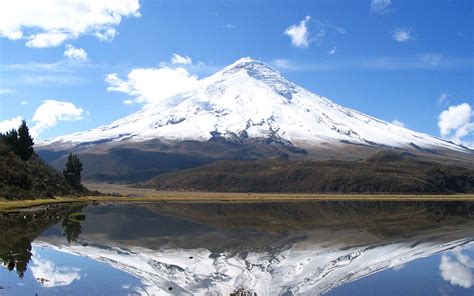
(248, 99)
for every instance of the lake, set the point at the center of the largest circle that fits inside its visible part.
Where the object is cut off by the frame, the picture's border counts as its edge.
(268, 248)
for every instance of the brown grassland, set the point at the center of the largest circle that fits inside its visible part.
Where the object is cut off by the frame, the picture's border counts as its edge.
(123, 193)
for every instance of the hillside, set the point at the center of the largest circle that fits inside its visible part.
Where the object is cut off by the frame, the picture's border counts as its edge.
(383, 173)
(29, 179)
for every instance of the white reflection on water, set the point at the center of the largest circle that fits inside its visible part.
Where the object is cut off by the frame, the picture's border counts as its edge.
(457, 268)
(309, 267)
(50, 275)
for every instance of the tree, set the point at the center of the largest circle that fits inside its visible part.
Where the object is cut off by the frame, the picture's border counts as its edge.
(25, 142)
(11, 139)
(72, 171)
(17, 256)
(19, 141)
(71, 228)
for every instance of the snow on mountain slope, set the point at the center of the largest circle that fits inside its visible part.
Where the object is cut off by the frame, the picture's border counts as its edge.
(249, 99)
(309, 267)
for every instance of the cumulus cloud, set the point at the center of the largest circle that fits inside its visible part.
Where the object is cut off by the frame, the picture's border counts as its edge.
(74, 53)
(54, 275)
(299, 34)
(402, 35)
(455, 123)
(398, 122)
(178, 59)
(48, 23)
(456, 268)
(380, 6)
(24, 103)
(9, 124)
(152, 85)
(51, 39)
(332, 51)
(454, 117)
(51, 112)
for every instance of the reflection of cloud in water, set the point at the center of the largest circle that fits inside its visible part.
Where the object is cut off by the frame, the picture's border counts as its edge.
(457, 268)
(398, 267)
(53, 275)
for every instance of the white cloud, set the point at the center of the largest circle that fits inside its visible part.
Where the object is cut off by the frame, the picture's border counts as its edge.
(74, 53)
(332, 51)
(186, 62)
(178, 59)
(128, 102)
(50, 39)
(455, 123)
(6, 91)
(107, 35)
(299, 34)
(402, 35)
(24, 103)
(442, 98)
(58, 66)
(398, 122)
(49, 23)
(454, 117)
(52, 79)
(457, 269)
(54, 275)
(65, 71)
(399, 267)
(431, 58)
(229, 26)
(51, 112)
(380, 6)
(282, 64)
(377, 63)
(9, 124)
(152, 85)
(464, 131)
(455, 273)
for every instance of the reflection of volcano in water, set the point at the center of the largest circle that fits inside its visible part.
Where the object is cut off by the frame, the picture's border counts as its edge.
(287, 249)
(312, 266)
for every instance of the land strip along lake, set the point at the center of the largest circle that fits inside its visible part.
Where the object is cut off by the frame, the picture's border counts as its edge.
(269, 248)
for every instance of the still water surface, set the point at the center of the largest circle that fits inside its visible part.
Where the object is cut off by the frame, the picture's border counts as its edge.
(294, 248)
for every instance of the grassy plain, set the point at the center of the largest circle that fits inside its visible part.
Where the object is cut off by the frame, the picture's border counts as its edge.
(123, 193)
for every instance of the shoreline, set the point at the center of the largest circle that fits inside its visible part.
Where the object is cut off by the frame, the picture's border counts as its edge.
(217, 197)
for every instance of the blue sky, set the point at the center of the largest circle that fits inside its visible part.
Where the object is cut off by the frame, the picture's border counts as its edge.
(411, 61)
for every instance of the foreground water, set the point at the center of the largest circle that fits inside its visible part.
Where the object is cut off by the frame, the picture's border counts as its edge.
(294, 248)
